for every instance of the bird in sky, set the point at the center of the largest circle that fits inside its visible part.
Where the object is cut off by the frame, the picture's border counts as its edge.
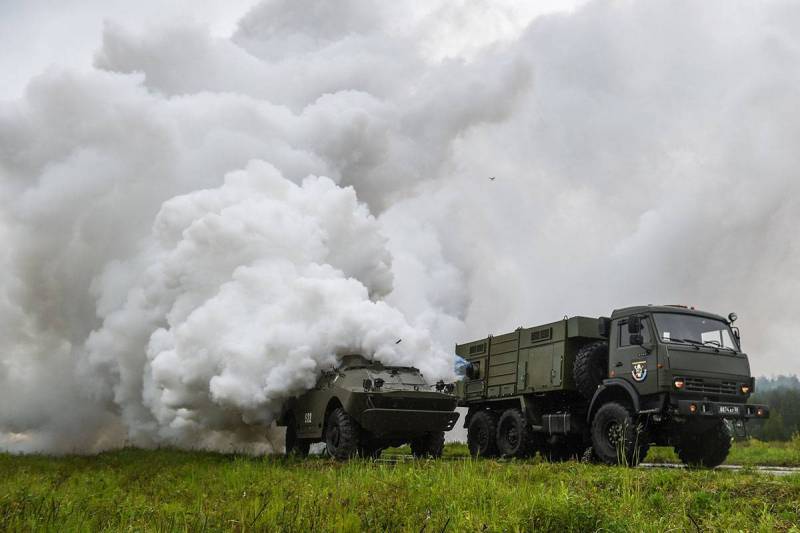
(492, 178)
(399, 341)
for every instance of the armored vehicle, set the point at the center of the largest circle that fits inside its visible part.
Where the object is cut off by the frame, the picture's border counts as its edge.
(609, 387)
(363, 407)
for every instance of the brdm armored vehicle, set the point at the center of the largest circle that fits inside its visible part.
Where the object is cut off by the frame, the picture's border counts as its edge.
(607, 388)
(363, 407)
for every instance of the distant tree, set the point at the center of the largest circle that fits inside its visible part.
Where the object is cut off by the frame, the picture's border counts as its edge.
(784, 403)
(764, 384)
(773, 429)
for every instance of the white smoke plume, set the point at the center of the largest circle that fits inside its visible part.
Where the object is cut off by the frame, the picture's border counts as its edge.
(197, 225)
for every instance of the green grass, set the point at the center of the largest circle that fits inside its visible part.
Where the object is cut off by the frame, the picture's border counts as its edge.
(171, 490)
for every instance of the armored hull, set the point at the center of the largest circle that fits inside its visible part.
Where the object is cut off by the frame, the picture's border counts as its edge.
(362, 407)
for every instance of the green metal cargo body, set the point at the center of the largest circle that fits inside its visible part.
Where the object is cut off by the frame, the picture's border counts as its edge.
(527, 360)
(609, 387)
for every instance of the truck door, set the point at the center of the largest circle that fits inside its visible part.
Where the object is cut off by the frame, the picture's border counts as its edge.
(633, 362)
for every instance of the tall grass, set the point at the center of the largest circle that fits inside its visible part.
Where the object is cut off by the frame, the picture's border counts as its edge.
(170, 490)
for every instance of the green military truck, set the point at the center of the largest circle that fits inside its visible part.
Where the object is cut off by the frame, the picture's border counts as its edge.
(610, 387)
(362, 407)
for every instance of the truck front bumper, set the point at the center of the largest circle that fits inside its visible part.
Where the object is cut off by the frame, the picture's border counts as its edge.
(721, 409)
(407, 421)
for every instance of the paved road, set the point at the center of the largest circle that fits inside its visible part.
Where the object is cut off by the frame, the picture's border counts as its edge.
(774, 470)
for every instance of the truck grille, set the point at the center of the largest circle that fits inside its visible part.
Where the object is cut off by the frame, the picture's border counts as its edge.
(710, 387)
(421, 404)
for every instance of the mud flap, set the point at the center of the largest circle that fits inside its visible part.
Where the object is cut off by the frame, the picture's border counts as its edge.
(739, 429)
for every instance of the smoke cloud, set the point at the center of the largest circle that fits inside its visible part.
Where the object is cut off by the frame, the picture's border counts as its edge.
(198, 225)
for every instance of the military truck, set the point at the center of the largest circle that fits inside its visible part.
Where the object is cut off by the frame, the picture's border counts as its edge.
(363, 407)
(609, 387)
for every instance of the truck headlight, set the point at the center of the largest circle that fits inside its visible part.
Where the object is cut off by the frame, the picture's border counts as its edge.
(745, 388)
(679, 383)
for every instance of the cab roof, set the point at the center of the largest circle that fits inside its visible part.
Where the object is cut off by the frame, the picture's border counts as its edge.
(678, 309)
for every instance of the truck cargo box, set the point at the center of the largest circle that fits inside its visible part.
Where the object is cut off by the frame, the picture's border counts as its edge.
(535, 359)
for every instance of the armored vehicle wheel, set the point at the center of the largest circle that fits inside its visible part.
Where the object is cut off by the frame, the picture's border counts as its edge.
(617, 437)
(341, 435)
(560, 449)
(294, 445)
(590, 367)
(704, 447)
(514, 435)
(429, 445)
(482, 434)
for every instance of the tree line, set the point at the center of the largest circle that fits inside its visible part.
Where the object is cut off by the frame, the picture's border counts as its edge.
(782, 395)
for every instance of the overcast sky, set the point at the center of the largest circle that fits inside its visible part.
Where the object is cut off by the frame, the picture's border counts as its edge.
(39, 34)
(203, 205)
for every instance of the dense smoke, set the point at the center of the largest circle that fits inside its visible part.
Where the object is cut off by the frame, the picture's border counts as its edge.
(197, 226)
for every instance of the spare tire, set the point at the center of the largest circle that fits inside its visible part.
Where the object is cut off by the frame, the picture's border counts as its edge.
(590, 367)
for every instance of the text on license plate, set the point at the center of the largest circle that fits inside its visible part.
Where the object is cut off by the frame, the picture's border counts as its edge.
(728, 410)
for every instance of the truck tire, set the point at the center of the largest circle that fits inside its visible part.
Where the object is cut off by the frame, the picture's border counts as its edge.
(590, 367)
(294, 445)
(430, 445)
(514, 436)
(617, 437)
(707, 448)
(482, 434)
(341, 435)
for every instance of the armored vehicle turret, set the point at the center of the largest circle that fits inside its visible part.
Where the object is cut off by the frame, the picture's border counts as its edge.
(363, 407)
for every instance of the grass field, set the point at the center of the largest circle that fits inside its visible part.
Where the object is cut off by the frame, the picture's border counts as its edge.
(170, 490)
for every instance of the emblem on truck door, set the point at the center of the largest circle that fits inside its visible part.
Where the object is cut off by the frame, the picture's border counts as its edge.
(639, 370)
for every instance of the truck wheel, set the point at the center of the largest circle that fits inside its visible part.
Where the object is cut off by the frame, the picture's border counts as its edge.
(617, 437)
(514, 436)
(341, 435)
(482, 434)
(706, 448)
(295, 445)
(590, 367)
(429, 445)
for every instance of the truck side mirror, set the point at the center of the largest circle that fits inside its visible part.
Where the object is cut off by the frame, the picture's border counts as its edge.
(637, 339)
(634, 325)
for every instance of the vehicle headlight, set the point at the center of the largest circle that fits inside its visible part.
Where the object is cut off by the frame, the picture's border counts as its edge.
(679, 383)
(745, 388)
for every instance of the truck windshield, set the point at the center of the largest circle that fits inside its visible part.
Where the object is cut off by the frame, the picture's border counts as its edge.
(398, 378)
(693, 329)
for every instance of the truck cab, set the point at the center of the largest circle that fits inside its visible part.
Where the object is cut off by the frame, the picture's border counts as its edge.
(678, 356)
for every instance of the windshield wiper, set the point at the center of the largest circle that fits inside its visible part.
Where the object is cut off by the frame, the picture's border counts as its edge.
(692, 341)
(718, 345)
(713, 343)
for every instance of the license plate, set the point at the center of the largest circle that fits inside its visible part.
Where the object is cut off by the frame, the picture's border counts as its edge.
(729, 409)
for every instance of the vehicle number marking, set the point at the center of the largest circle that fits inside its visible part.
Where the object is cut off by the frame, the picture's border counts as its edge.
(728, 410)
(307, 418)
